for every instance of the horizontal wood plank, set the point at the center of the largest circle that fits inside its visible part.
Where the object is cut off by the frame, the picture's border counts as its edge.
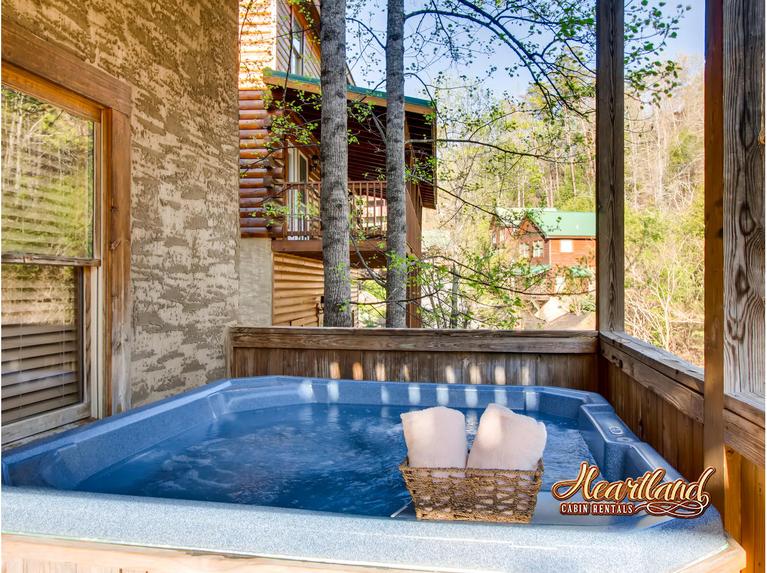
(412, 340)
(747, 406)
(745, 437)
(665, 362)
(687, 401)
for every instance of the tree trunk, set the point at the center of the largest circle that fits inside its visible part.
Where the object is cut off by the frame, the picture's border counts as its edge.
(334, 197)
(396, 223)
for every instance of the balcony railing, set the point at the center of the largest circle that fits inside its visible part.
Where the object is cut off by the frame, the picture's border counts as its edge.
(367, 205)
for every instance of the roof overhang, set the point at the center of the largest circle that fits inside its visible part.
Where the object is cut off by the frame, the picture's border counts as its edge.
(367, 156)
(353, 93)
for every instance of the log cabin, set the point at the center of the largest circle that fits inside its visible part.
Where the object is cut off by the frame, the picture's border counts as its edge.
(548, 236)
(281, 247)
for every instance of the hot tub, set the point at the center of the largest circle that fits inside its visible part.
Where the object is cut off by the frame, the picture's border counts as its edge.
(306, 469)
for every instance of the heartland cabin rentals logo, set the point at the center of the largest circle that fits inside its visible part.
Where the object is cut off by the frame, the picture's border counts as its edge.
(677, 498)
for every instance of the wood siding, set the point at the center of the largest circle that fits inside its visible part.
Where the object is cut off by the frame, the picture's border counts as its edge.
(265, 43)
(468, 357)
(583, 253)
(654, 419)
(257, 31)
(311, 54)
(297, 290)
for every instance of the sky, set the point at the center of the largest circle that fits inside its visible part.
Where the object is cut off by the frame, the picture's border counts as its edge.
(690, 42)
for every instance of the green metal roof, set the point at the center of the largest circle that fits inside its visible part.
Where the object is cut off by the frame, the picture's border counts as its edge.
(278, 75)
(552, 222)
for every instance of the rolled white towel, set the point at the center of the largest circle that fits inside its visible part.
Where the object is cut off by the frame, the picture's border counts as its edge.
(507, 441)
(435, 438)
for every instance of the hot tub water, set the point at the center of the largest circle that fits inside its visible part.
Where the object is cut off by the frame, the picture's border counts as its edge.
(340, 458)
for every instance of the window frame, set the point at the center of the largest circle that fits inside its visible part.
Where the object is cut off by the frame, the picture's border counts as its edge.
(297, 36)
(84, 87)
(298, 200)
(88, 269)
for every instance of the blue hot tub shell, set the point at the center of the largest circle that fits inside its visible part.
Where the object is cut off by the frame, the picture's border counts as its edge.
(37, 478)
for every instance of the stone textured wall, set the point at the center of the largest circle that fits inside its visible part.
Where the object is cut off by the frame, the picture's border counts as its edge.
(181, 58)
(256, 282)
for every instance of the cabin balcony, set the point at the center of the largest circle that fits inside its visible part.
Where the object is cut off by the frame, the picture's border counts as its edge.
(297, 227)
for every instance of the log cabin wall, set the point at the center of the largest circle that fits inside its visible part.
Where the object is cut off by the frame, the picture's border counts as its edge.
(261, 169)
(297, 291)
(265, 42)
(564, 359)
(583, 248)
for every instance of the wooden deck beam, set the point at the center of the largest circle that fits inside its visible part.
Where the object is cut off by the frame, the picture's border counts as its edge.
(609, 153)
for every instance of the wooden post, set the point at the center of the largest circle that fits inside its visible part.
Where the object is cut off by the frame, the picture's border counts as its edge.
(609, 150)
(734, 190)
(118, 265)
(743, 194)
(713, 387)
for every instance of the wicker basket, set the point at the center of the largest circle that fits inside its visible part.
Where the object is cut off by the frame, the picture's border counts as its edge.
(470, 494)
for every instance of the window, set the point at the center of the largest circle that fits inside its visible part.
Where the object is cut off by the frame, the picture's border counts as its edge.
(524, 250)
(298, 167)
(51, 249)
(296, 46)
(538, 249)
(566, 246)
(299, 220)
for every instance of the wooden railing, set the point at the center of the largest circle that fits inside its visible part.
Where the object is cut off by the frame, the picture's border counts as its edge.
(551, 358)
(367, 203)
(661, 398)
